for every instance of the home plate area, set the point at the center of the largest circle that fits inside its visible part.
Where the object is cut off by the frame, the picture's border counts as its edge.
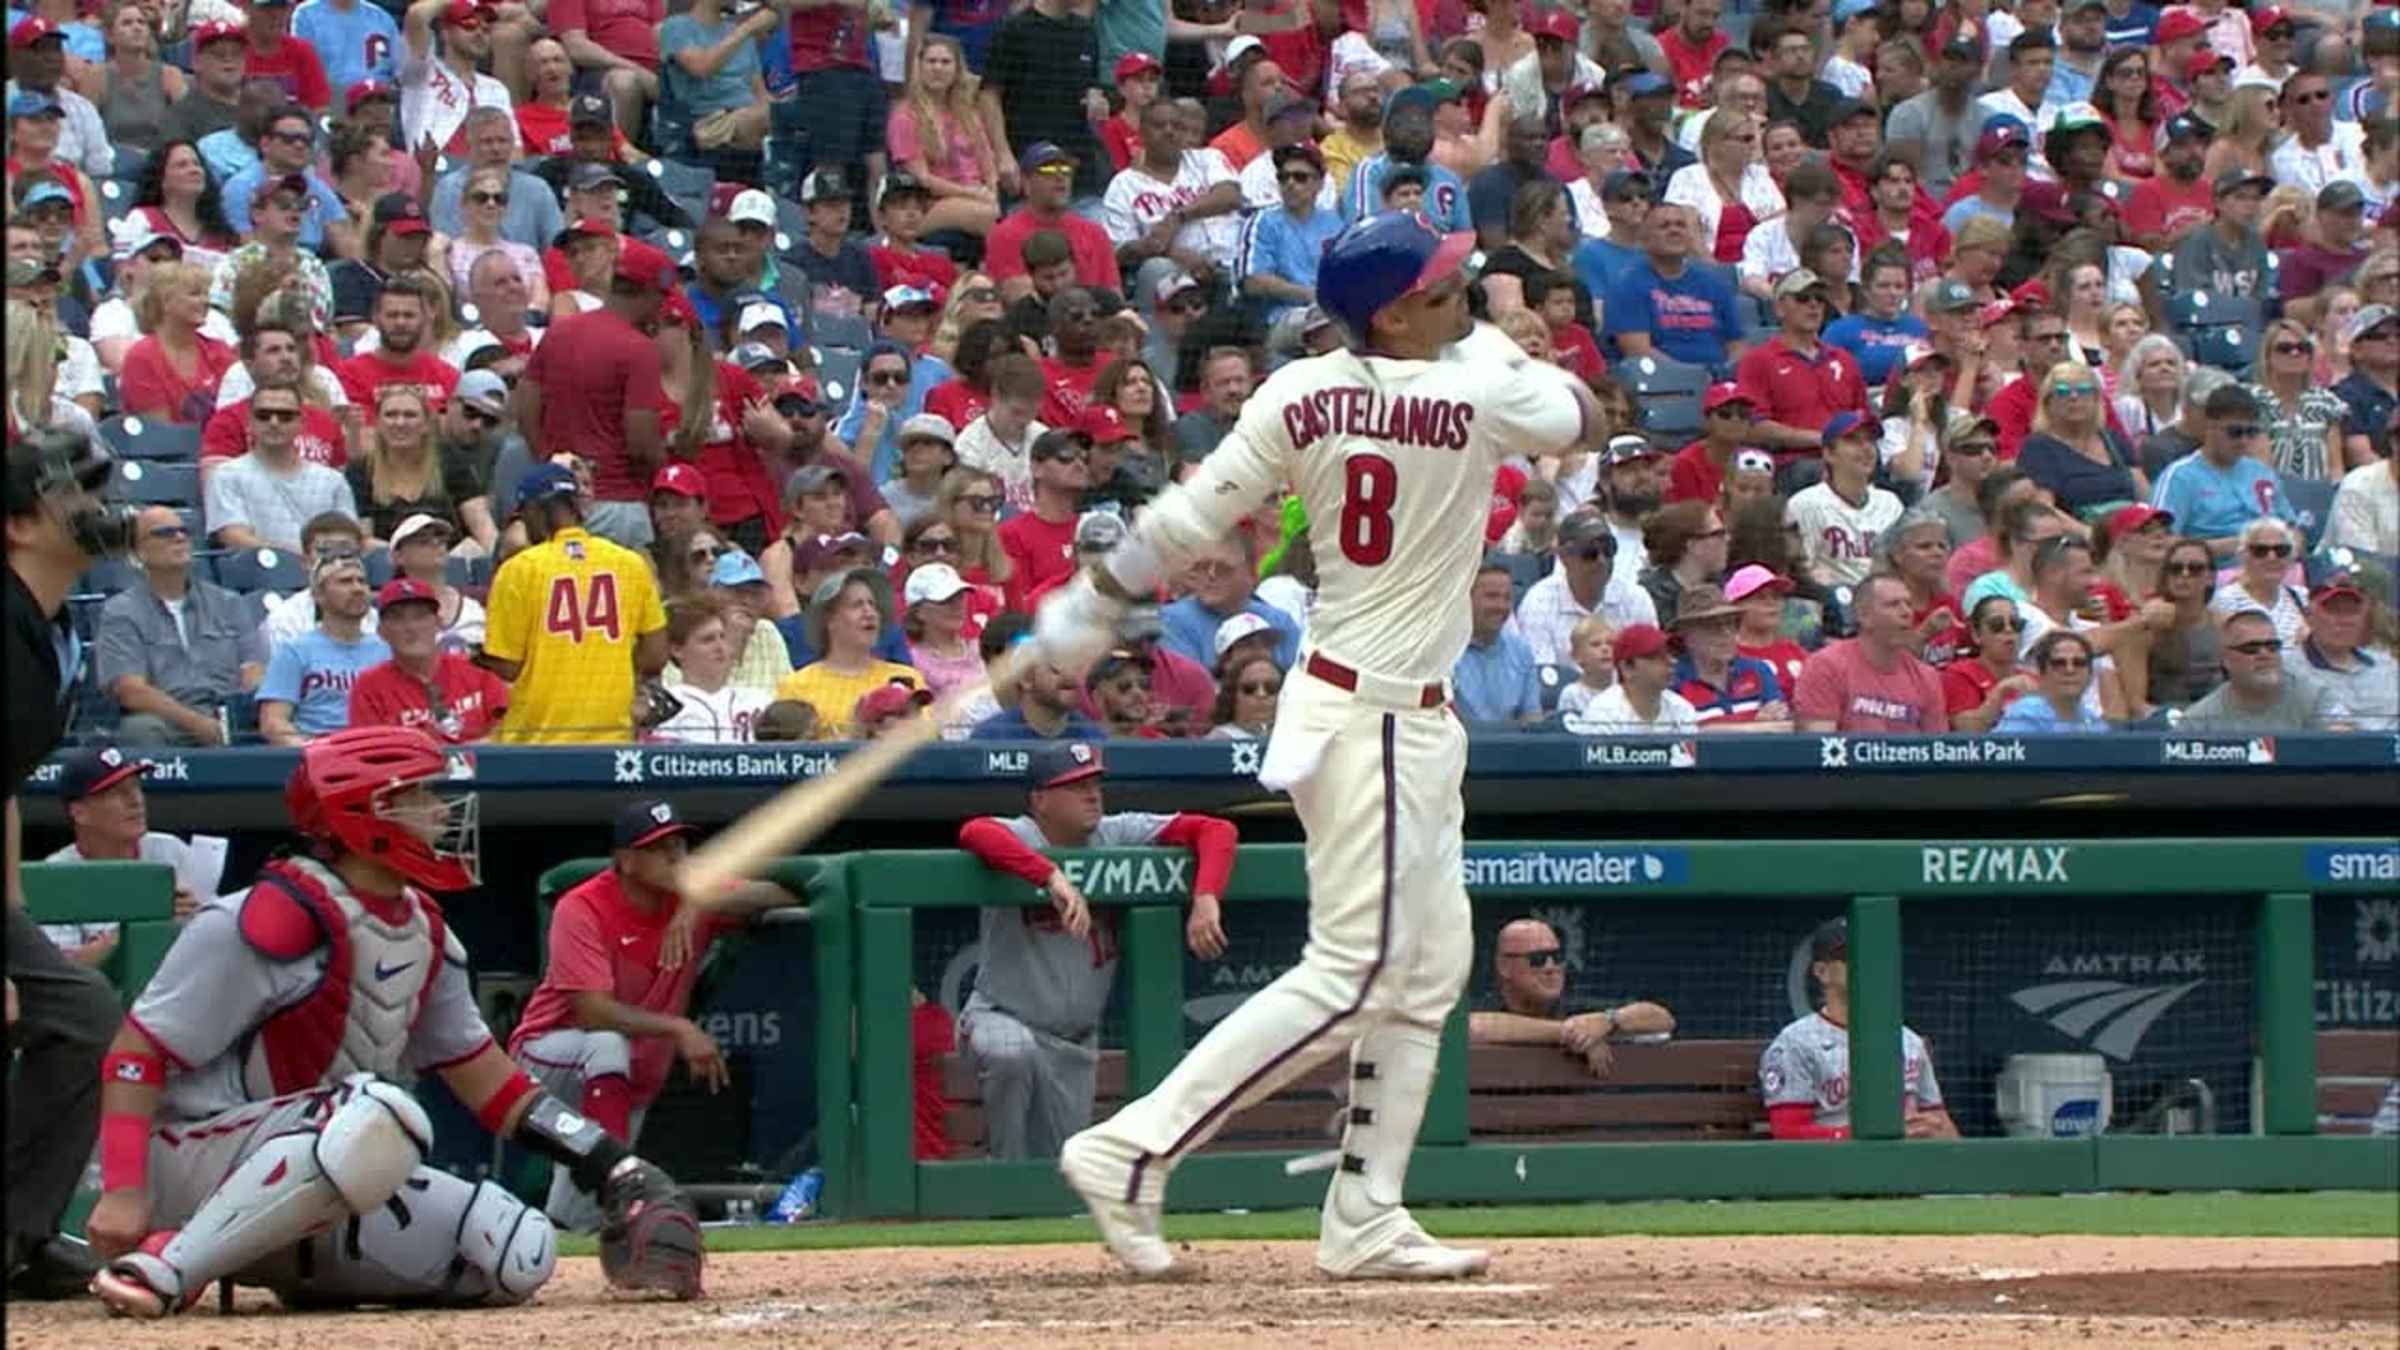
(1782, 1292)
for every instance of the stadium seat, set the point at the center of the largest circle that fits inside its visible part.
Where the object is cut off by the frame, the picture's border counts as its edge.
(468, 573)
(378, 565)
(791, 225)
(837, 375)
(109, 576)
(116, 199)
(688, 184)
(2228, 347)
(129, 166)
(158, 483)
(2208, 309)
(1524, 569)
(1670, 418)
(2312, 505)
(260, 569)
(1652, 375)
(850, 332)
(151, 438)
(1554, 681)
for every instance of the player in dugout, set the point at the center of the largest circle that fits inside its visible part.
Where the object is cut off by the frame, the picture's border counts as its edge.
(1033, 1022)
(1805, 1073)
(609, 1018)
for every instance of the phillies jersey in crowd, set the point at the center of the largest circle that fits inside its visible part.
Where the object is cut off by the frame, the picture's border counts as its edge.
(1838, 536)
(1809, 1064)
(1135, 201)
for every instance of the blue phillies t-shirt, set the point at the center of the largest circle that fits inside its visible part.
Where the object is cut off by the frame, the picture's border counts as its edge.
(1689, 317)
(358, 44)
(313, 672)
(1875, 342)
(1445, 193)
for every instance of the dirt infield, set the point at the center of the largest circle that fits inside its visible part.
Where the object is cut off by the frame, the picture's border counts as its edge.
(1781, 1291)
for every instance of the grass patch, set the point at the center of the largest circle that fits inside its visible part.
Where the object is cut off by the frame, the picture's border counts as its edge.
(2181, 1214)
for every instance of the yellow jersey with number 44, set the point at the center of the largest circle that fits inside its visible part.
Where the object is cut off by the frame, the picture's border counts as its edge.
(569, 610)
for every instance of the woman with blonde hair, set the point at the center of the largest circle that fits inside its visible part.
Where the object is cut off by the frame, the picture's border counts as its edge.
(1730, 188)
(936, 134)
(399, 472)
(2071, 450)
(2246, 140)
(2079, 291)
(481, 207)
(969, 498)
(133, 88)
(975, 299)
(2264, 555)
(2303, 422)
(2150, 387)
(2337, 305)
(172, 373)
(33, 398)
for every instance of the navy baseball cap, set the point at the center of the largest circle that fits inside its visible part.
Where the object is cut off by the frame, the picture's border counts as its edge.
(96, 769)
(643, 823)
(1623, 183)
(544, 482)
(1643, 84)
(1061, 764)
(1846, 424)
(1831, 941)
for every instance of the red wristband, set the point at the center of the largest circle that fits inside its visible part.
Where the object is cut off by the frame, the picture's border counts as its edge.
(124, 1151)
(494, 1112)
(140, 1069)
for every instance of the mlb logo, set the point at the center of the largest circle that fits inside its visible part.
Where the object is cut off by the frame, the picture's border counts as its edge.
(1683, 754)
(2262, 750)
(461, 766)
(574, 550)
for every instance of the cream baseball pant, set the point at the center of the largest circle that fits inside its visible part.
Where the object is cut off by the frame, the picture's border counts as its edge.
(562, 1061)
(1376, 780)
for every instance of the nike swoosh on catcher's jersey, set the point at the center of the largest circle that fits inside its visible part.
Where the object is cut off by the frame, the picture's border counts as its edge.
(383, 974)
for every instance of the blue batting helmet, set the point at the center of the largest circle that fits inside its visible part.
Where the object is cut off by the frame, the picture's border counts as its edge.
(1382, 258)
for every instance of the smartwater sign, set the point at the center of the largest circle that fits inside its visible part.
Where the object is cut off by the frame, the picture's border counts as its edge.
(1490, 868)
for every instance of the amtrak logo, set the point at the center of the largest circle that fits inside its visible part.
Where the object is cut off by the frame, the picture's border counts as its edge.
(629, 766)
(2109, 1016)
(2378, 931)
(1249, 757)
(1833, 753)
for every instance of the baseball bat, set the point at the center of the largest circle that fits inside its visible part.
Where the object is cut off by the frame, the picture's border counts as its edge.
(786, 822)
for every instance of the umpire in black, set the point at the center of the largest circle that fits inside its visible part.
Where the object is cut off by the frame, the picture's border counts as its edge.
(61, 1016)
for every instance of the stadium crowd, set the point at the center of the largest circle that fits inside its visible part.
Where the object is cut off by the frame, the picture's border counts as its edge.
(583, 371)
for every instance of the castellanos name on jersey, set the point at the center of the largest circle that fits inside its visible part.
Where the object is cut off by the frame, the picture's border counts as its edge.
(1394, 460)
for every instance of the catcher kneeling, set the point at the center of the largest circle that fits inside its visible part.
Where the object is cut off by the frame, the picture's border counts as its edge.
(253, 1122)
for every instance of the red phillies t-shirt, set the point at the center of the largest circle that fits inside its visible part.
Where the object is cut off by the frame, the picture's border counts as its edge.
(556, 271)
(1941, 644)
(227, 435)
(1069, 391)
(365, 375)
(1690, 65)
(1800, 391)
(626, 28)
(590, 369)
(1693, 477)
(1039, 552)
(1965, 685)
(923, 268)
(150, 385)
(1783, 656)
(1839, 685)
(1095, 257)
(1122, 140)
(956, 401)
(825, 37)
(739, 486)
(1574, 350)
(2161, 208)
(931, 1036)
(294, 65)
(543, 130)
(601, 942)
(462, 703)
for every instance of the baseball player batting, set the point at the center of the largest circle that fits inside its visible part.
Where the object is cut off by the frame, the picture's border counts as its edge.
(1393, 453)
(253, 1123)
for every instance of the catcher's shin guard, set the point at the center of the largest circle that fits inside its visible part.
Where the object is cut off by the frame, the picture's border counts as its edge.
(292, 1186)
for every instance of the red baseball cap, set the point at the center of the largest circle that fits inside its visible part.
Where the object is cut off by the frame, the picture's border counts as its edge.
(1133, 64)
(889, 700)
(2176, 24)
(1104, 425)
(206, 33)
(1720, 394)
(32, 29)
(2333, 587)
(2126, 519)
(644, 265)
(1555, 24)
(463, 14)
(677, 309)
(2203, 61)
(681, 479)
(2267, 17)
(367, 89)
(1636, 640)
(402, 590)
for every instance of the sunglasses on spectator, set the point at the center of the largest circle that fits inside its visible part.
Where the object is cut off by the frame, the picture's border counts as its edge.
(933, 544)
(2190, 569)
(291, 137)
(1587, 552)
(2004, 623)
(2259, 647)
(1547, 956)
(981, 295)
(1297, 176)
(795, 407)
(2270, 550)
(487, 198)
(980, 502)
(1974, 449)
(1192, 305)
(2379, 333)
(285, 204)
(887, 377)
(2067, 663)
(2074, 391)
(704, 553)
(2312, 96)
(1058, 170)
(170, 532)
(2294, 348)
(1256, 687)
(1068, 455)
(274, 414)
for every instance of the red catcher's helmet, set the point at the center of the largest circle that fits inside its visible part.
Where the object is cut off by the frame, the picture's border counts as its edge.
(340, 795)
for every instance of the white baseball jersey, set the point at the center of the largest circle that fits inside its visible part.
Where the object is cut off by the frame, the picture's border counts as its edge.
(728, 715)
(1809, 1062)
(1837, 537)
(1394, 461)
(1135, 201)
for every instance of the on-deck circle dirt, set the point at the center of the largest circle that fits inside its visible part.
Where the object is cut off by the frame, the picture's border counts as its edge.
(1781, 1291)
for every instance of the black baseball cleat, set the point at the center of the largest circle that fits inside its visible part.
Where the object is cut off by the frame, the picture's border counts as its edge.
(56, 1268)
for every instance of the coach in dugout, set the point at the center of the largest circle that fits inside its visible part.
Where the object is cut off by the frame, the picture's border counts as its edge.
(1033, 1021)
(609, 1018)
(1805, 1073)
(1529, 1004)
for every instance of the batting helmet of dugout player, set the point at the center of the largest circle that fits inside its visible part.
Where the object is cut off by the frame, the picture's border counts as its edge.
(1397, 261)
(383, 793)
